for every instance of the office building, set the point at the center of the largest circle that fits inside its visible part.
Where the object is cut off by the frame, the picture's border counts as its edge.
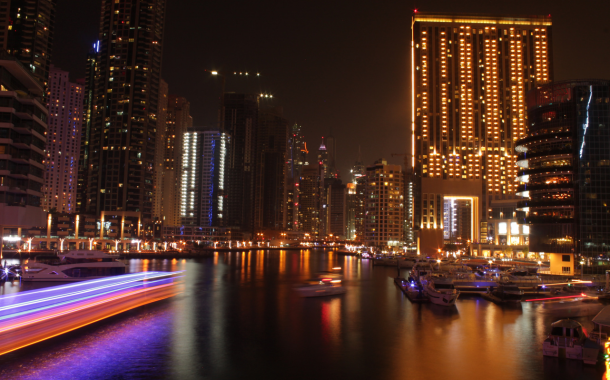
(65, 105)
(240, 121)
(203, 172)
(27, 31)
(335, 210)
(384, 205)
(120, 171)
(470, 75)
(23, 133)
(564, 164)
(270, 184)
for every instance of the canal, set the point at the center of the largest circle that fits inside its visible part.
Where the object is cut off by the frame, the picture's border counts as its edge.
(239, 318)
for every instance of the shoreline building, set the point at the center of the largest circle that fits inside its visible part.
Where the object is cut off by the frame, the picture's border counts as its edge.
(297, 158)
(470, 75)
(309, 199)
(384, 205)
(122, 140)
(202, 182)
(24, 136)
(564, 166)
(65, 105)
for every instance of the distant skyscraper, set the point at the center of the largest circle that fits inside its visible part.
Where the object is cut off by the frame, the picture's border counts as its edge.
(28, 29)
(25, 136)
(160, 146)
(470, 75)
(358, 170)
(323, 158)
(270, 192)
(335, 207)
(65, 104)
(202, 182)
(351, 204)
(331, 149)
(240, 122)
(384, 220)
(178, 120)
(297, 157)
(309, 199)
(125, 119)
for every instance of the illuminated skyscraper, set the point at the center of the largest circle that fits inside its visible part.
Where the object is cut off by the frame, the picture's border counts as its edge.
(469, 79)
(120, 171)
(65, 104)
(202, 182)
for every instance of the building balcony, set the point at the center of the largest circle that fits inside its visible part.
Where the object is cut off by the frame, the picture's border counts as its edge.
(566, 186)
(545, 153)
(567, 169)
(563, 203)
(535, 219)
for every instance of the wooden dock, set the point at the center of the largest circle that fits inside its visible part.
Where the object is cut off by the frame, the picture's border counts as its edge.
(413, 296)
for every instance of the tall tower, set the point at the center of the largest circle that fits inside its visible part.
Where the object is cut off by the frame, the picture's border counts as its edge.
(177, 122)
(124, 123)
(160, 146)
(240, 120)
(65, 104)
(28, 29)
(469, 77)
(297, 158)
(272, 138)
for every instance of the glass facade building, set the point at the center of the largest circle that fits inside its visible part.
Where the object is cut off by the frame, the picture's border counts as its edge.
(564, 168)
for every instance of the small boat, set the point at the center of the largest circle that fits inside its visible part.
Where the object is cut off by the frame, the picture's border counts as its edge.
(569, 306)
(504, 292)
(320, 289)
(569, 340)
(75, 265)
(441, 291)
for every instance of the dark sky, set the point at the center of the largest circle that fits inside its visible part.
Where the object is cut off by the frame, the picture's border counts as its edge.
(333, 64)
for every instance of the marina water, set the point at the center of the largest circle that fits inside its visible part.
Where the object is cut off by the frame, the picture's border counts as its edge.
(240, 318)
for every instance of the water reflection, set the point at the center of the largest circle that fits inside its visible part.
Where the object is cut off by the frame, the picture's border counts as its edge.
(239, 318)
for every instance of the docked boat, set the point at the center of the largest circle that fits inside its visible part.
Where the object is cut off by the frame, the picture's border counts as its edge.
(441, 291)
(74, 265)
(320, 289)
(569, 340)
(504, 292)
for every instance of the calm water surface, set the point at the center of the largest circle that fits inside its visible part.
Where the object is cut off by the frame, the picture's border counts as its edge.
(239, 318)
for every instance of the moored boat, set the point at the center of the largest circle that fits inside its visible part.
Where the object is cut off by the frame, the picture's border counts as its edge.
(504, 292)
(75, 265)
(569, 340)
(441, 291)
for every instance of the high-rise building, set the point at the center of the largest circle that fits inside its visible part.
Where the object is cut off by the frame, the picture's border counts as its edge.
(384, 219)
(178, 121)
(240, 121)
(65, 105)
(160, 146)
(24, 136)
(89, 83)
(323, 158)
(309, 199)
(335, 207)
(27, 33)
(358, 170)
(360, 208)
(297, 157)
(270, 192)
(123, 133)
(469, 77)
(331, 149)
(564, 166)
(202, 182)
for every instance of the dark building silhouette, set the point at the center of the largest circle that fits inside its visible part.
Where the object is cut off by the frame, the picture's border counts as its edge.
(240, 122)
(564, 167)
(121, 145)
(272, 137)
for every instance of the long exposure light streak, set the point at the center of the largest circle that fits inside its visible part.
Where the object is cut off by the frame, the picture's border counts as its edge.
(32, 316)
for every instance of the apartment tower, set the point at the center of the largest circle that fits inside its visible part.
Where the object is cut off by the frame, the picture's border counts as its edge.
(125, 118)
(65, 104)
(470, 74)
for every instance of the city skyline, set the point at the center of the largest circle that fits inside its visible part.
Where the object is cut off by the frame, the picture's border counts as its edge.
(344, 90)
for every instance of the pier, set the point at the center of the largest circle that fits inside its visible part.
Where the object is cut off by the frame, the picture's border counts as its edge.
(35, 315)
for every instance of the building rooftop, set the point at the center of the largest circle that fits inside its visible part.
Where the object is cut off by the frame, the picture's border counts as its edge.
(482, 18)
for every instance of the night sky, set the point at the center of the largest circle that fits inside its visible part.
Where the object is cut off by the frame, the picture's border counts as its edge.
(333, 65)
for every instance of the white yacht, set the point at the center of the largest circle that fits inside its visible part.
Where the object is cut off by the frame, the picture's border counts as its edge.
(77, 265)
(441, 291)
